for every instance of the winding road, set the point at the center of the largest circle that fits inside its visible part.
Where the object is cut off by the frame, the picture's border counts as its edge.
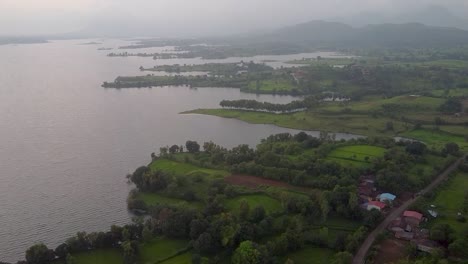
(362, 252)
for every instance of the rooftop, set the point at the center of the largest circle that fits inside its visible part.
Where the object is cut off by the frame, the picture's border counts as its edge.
(413, 214)
(378, 204)
(387, 196)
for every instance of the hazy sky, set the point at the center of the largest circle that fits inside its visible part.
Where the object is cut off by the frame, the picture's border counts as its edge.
(205, 16)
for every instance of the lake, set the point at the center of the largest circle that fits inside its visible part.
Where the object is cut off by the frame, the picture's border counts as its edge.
(67, 143)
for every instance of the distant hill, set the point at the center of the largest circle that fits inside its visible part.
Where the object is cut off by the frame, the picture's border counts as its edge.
(340, 35)
(21, 40)
(431, 15)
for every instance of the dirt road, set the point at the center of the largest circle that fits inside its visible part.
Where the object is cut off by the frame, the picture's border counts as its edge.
(361, 254)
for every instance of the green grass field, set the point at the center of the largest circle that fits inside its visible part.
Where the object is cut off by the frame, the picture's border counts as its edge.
(344, 123)
(180, 168)
(436, 139)
(160, 248)
(356, 155)
(153, 199)
(99, 256)
(195, 179)
(270, 204)
(311, 255)
(449, 202)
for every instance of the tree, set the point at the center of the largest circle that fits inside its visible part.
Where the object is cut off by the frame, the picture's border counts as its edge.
(442, 233)
(416, 148)
(197, 227)
(177, 224)
(39, 254)
(205, 243)
(192, 146)
(130, 251)
(458, 248)
(372, 218)
(147, 234)
(174, 149)
(247, 253)
(258, 213)
(61, 250)
(451, 148)
(389, 126)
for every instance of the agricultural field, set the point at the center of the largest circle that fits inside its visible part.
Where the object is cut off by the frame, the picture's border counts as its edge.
(358, 155)
(270, 204)
(153, 199)
(188, 178)
(181, 168)
(450, 200)
(436, 139)
(343, 123)
(255, 182)
(101, 256)
(160, 248)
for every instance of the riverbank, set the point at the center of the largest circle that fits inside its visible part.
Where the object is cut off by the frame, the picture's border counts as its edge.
(415, 117)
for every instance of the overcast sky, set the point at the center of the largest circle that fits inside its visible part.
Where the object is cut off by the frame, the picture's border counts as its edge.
(19, 17)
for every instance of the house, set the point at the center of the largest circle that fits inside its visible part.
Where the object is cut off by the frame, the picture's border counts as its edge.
(386, 197)
(412, 218)
(404, 235)
(400, 225)
(426, 245)
(397, 225)
(299, 75)
(375, 205)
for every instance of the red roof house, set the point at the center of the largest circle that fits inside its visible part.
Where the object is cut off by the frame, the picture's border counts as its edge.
(413, 214)
(413, 217)
(375, 205)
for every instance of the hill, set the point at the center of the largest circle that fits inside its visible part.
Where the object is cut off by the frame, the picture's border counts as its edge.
(324, 34)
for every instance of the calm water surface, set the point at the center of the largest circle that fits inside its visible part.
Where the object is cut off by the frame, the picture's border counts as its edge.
(66, 144)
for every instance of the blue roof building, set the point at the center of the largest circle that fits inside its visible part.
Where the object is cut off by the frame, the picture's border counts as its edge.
(387, 197)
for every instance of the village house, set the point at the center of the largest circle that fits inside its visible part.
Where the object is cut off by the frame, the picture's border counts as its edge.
(412, 218)
(298, 75)
(404, 235)
(375, 205)
(386, 197)
(399, 225)
(426, 245)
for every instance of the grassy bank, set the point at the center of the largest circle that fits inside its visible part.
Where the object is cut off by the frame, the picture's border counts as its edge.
(343, 123)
